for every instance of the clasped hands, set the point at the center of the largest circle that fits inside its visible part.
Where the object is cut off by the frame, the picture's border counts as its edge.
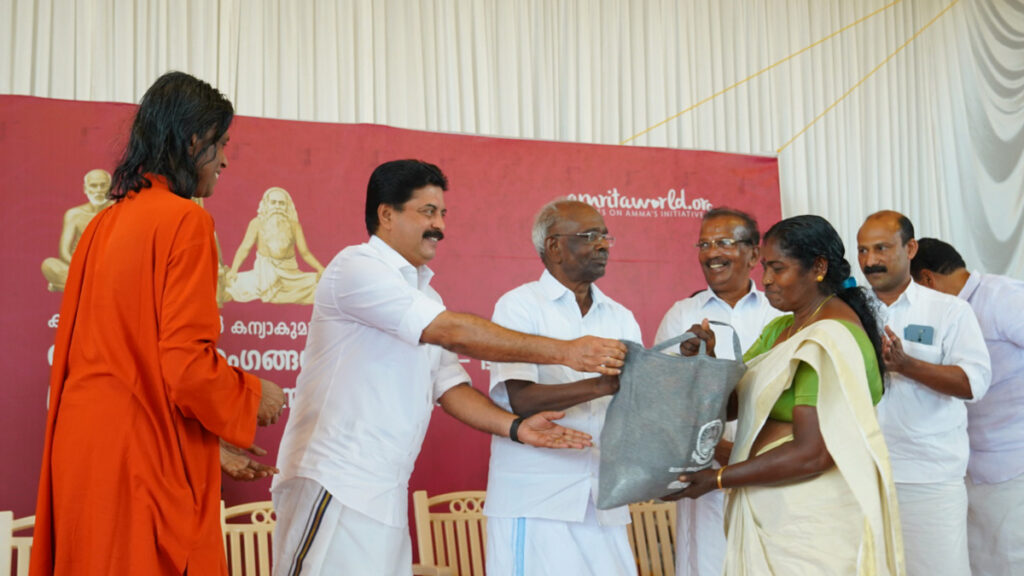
(893, 355)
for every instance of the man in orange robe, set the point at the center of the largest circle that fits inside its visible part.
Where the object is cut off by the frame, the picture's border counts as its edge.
(130, 482)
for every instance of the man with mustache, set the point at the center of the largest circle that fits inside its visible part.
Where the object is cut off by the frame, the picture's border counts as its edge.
(541, 513)
(727, 250)
(380, 353)
(995, 424)
(936, 361)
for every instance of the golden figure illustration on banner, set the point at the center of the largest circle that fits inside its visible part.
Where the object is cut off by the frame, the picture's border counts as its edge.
(222, 270)
(277, 236)
(96, 185)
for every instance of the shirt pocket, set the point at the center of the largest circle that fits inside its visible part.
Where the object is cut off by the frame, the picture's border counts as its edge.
(931, 353)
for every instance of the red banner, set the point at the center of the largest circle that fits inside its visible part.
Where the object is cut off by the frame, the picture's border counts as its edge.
(652, 200)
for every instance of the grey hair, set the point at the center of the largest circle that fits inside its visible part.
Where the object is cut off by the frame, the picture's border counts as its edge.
(544, 220)
(263, 209)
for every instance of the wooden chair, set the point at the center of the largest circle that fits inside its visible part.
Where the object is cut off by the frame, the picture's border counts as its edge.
(15, 550)
(6, 527)
(247, 543)
(425, 570)
(454, 535)
(652, 535)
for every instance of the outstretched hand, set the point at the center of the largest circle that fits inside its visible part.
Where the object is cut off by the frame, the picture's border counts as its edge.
(703, 332)
(540, 430)
(594, 354)
(235, 462)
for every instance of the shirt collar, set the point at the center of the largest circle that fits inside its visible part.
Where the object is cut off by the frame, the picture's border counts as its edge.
(418, 277)
(973, 281)
(554, 290)
(909, 295)
(709, 295)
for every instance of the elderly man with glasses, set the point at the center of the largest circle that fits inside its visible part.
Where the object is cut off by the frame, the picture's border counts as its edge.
(542, 517)
(727, 251)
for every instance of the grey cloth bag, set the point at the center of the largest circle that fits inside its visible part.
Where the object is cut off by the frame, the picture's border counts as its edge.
(666, 419)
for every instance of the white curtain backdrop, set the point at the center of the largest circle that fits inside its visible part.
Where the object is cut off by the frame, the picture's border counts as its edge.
(937, 133)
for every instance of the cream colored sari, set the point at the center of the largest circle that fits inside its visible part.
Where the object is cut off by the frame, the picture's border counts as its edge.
(844, 521)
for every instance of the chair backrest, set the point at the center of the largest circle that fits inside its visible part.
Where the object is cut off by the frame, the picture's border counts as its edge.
(453, 535)
(652, 535)
(6, 527)
(15, 550)
(247, 542)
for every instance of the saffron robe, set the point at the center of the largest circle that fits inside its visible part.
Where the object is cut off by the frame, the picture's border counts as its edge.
(130, 481)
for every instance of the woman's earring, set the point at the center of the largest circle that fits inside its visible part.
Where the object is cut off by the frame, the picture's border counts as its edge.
(821, 277)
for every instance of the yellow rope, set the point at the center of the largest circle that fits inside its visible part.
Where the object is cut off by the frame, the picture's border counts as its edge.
(869, 74)
(762, 71)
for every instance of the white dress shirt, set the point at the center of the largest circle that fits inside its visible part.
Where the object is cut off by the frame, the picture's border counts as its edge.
(995, 423)
(367, 387)
(528, 482)
(752, 313)
(925, 430)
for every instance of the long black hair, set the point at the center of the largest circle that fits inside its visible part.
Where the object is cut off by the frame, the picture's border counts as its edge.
(807, 238)
(174, 109)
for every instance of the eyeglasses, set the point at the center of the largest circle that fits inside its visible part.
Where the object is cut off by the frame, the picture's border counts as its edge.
(723, 243)
(592, 237)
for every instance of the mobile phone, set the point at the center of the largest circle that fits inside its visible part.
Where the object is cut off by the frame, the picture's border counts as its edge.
(919, 333)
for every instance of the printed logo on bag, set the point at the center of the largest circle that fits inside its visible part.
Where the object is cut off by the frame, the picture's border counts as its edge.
(707, 439)
(671, 204)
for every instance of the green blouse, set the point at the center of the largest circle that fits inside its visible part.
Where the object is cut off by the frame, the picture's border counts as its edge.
(804, 390)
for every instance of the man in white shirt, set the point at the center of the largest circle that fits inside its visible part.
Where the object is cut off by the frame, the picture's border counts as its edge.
(541, 513)
(995, 424)
(727, 250)
(378, 356)
(936, 361)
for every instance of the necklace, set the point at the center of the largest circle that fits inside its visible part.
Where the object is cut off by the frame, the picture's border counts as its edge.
(809, 318)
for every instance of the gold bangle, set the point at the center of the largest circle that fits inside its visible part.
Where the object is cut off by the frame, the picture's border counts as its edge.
(719, 478)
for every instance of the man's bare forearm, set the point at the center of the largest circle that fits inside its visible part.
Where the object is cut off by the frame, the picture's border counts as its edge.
(474, 336)
(528, 398)
(949, 380)
(471, 407)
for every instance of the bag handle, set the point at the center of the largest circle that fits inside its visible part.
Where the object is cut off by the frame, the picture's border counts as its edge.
(737, 350)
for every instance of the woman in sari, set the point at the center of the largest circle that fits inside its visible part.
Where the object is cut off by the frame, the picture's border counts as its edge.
(810, 485)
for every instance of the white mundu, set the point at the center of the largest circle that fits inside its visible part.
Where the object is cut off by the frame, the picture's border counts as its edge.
(700, 531)
(541, 503)
(926, 431)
